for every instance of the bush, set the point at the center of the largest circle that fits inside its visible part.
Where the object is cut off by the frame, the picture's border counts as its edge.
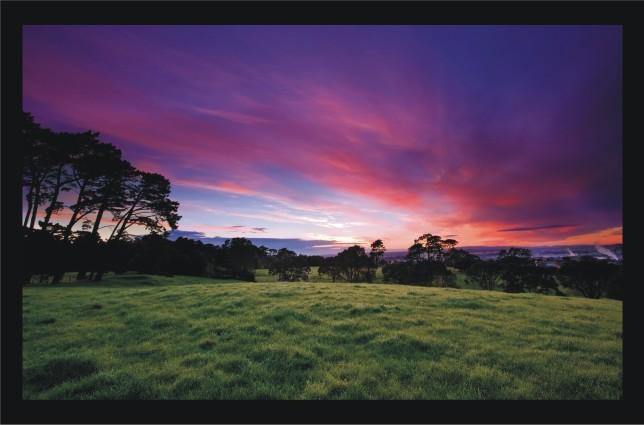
(429, 273)
(484, 273)
(591, 277)
(289, 266)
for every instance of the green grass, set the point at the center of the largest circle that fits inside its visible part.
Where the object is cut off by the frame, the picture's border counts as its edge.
(136, 336)
(262, 275)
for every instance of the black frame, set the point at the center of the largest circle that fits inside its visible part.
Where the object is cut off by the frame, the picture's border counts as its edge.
(15, 14)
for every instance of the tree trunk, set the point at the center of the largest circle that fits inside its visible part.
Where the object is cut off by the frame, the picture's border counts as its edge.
(115, 228)
(49, 210)
(35, 208)
(97, 220)
(126, 218)
(30, 203)
(124, 221)
(72, 221)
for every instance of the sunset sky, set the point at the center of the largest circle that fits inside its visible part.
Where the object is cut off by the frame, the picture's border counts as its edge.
(490, 135)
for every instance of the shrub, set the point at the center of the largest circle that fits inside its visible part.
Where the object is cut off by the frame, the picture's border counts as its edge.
(591, 277)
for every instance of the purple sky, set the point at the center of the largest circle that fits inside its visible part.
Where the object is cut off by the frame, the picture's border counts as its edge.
(497, 135)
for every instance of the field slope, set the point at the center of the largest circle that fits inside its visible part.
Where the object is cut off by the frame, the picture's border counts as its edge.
(137, 336)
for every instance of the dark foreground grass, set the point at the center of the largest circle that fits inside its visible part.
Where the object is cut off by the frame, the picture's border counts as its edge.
(149, 337)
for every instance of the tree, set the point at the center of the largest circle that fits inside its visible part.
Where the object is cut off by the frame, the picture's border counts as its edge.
(541, 280)
(153, 254)
(484, 273)
(92, 172)
(111, 194)
(376, 256)
(425, 273)
(329, 266)
(432, 246)
(354, 264)
(591, 277)
(265, 257)
(289, 267)
(54, 163)
(240, 258)
(460, 259)
(415, 252)
(143, 201)
(148, 205)
(38, 165)
(377, 252)
(424, 263)
(64, 147)
(448, 244)
(46, 252)
(616, 286)
(515, 265)
(314, 260)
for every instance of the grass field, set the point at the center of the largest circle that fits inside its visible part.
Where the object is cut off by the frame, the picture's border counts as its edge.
(136, 336)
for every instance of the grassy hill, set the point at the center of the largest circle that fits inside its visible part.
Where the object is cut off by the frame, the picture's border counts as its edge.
(138, 336)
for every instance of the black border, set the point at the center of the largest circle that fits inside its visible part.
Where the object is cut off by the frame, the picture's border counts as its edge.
(15, 14)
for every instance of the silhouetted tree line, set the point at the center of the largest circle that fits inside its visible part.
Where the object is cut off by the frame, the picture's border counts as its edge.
(426, 263)
(432, 261)
(354, 264)
(100, 181)
(515, 270)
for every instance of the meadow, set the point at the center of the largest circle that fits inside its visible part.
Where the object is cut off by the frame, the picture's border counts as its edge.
(138, 336)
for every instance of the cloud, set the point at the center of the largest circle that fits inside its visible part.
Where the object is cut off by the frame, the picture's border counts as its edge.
(190, 234)
(544, 227)
(446, 130)
(212, 228)
(303, 246)
(234, 116)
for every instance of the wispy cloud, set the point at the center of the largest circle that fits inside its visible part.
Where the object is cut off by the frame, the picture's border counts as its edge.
(236, 117)
(544, 227)
(342, 138)
(313, 246)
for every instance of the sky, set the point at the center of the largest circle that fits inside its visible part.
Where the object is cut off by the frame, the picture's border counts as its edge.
(335, 135)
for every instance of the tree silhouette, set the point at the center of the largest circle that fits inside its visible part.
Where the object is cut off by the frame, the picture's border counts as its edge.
(424, 263)
(240, 258)
(354, 264)
(330, 267)
(111, 195)
(515, 264)
(377, 252)
(289, 266)
(433, 246)
(591, 277)
(415, 252)
(484, 273)
(459, 258)
(148, 205)
(92, 171)
(64, 147)
(54, 163)
(37, 165)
